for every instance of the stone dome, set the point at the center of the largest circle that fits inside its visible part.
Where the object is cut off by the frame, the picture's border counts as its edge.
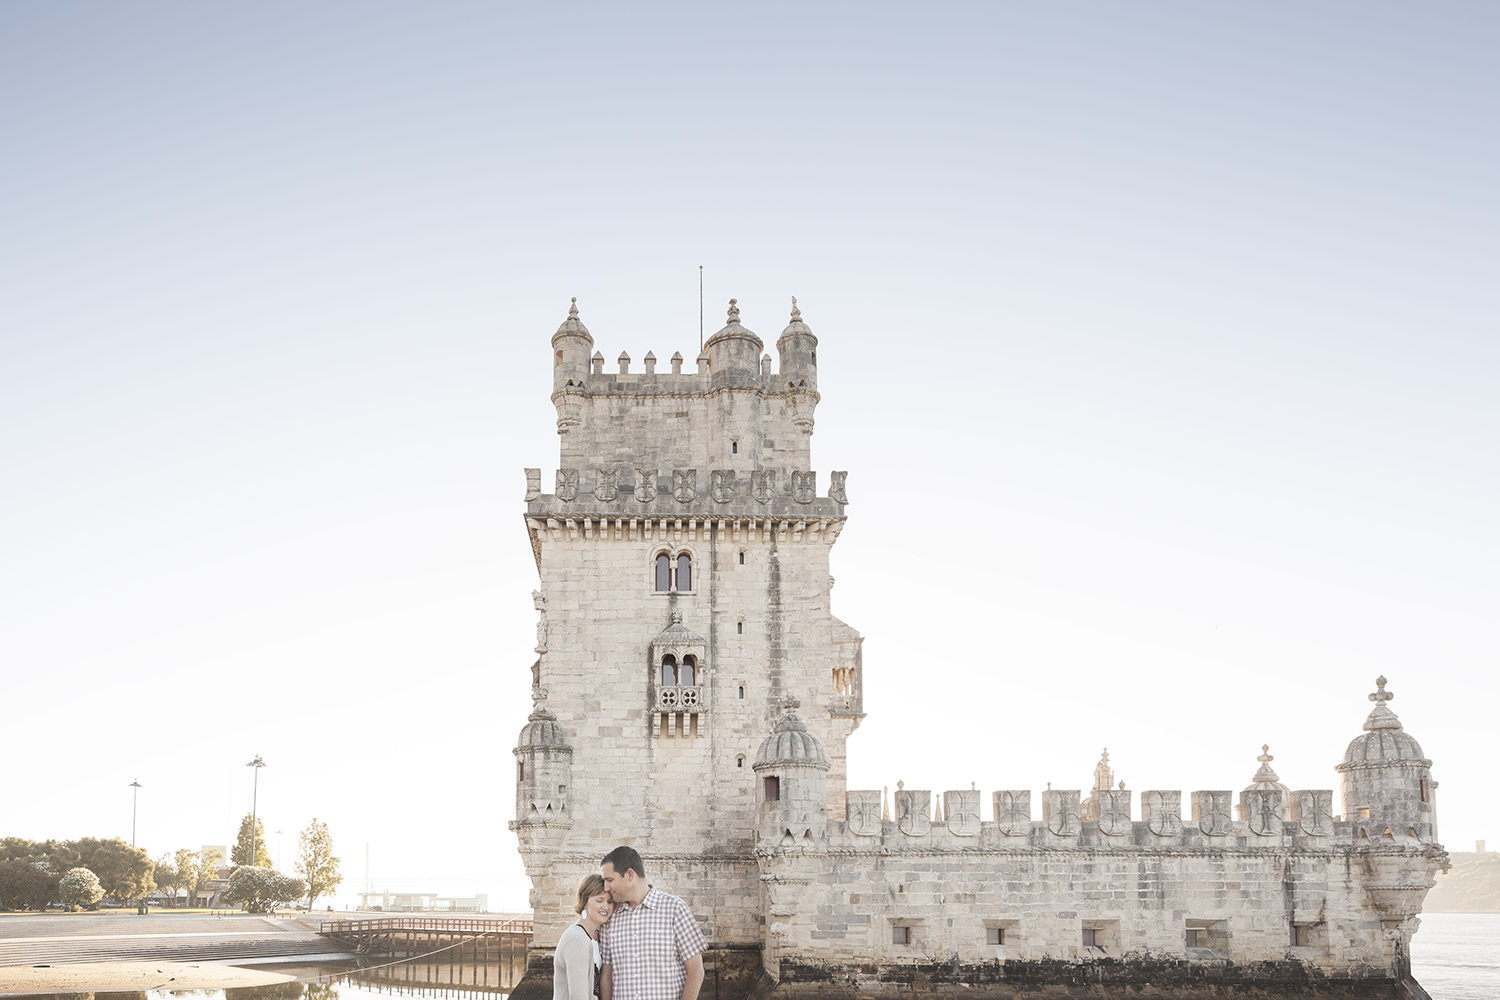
(573, 324)
(790, 744)
(796, 328)
(541, 731)
(1265, 779)
(1383, 741)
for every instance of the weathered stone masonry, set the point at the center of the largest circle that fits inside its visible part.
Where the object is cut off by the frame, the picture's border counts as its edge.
(693, 695)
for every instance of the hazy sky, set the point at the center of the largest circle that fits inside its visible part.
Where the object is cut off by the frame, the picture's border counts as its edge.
(1158, 340)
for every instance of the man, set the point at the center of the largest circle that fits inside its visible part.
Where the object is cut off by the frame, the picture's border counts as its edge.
(651, 947)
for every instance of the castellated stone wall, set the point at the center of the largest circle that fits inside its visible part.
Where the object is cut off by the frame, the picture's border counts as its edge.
(694, 694)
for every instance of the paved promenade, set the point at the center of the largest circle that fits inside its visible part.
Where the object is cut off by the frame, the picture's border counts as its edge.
(123, 940)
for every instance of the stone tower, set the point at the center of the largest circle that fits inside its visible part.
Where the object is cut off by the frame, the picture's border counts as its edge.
(683, 558)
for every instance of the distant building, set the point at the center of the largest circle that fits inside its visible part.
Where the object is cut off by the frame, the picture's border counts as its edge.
(694, 692)
(422, 902)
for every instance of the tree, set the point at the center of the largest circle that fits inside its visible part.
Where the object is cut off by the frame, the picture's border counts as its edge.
(317, 865)
(80, 887)
(205, 869)
(124, 871)
(261, 888)
(240, 853)
(168, 877)
(26, 884)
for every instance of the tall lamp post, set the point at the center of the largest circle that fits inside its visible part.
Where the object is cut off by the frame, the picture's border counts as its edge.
(257, 763)
(135, 794)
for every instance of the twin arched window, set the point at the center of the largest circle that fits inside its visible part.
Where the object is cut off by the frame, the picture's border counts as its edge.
(674, 673)
(674, 574)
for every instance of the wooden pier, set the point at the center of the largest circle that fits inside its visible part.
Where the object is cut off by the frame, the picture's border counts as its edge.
(468, 940)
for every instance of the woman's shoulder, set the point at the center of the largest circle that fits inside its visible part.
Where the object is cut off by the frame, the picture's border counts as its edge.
(575, 934)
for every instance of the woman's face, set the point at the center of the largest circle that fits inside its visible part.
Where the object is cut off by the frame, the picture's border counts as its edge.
(599, 907)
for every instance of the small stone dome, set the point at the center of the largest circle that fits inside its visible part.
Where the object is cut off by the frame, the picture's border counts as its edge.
(541, 731)
(1265, 779)
(733, 329)
(1383, 741)
(790, 744)
(796, 328)
(573, 324)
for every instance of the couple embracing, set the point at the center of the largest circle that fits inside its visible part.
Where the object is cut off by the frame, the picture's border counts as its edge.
(632, 941)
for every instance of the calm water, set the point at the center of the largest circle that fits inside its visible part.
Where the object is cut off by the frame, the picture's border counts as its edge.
(1456, 956)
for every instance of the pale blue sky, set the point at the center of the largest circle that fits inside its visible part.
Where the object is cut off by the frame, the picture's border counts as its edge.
(1158, 341)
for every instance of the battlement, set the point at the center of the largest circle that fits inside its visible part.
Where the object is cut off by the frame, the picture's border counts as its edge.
(1267, 820)
(715, 493)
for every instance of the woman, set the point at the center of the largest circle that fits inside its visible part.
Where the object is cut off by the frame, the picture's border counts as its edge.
(575, 964)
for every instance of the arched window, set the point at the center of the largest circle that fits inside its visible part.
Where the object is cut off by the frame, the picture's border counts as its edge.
(673, 573)
(688, 675)
(669, 670)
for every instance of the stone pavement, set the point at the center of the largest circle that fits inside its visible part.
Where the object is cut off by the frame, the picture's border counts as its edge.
(32, 939)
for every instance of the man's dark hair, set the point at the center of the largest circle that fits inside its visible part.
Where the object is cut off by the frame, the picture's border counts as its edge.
(623, 858)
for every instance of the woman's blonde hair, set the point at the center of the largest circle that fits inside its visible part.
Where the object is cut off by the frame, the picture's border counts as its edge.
(591, 886)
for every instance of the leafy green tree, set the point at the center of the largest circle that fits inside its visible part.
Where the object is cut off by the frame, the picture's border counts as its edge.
(26, 884)
(205, 869)
(316, 863)
(261, 888)
(168, 877)
(240, 853)
(80, 887)
(124, 871)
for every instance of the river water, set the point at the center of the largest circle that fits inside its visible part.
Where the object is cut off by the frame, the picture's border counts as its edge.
(1455, 956)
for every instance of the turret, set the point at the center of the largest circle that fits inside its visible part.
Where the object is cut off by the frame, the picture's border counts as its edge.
(793, 772)
(1387, 783)
(544, 773)
(734, 354)
(797, 351)
(570, 368)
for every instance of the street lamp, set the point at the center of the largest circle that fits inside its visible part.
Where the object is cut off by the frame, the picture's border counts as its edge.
(135, 794)
(257, 763)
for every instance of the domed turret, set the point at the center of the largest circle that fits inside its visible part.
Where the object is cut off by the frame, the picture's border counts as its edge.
(793, 773)
(734, 354)
(797, 350)
(544, 772)
(570, 368)
(1387, 784)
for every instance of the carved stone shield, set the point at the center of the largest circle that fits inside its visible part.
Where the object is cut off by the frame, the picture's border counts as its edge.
(763, 485)
(1060, 810)
(1013, 812)
(962, 810)
(804, 486)
(1211, 813)
(721, 485)
(606, 485)
(533, 484)
(1263, 811)
(567, 484)
(645, 485)
(684, 484)
(1162, 812)
(913, 812)
(1114, 812)
(864, 812)
(836, 487)
(1315, 812)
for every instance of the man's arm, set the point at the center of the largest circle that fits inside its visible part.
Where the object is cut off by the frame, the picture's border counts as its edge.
(694, 967)
(607, 982)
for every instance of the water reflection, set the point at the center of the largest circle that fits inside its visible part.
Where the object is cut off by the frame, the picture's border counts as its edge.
(360, 981)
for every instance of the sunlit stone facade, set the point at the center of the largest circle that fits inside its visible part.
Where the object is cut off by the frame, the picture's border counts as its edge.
(693, 695)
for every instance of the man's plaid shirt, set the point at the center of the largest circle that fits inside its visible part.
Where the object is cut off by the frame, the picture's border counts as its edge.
(646, 944)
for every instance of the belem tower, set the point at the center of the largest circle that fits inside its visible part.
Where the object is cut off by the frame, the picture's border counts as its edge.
(694, 692)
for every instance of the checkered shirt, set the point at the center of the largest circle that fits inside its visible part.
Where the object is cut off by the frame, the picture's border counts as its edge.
(646, 944)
